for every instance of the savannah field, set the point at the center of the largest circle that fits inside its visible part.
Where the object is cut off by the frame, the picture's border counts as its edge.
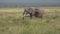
(11, 22)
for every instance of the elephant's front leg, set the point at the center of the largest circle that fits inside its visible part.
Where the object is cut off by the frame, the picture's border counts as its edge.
(23, 15)
(30, 15)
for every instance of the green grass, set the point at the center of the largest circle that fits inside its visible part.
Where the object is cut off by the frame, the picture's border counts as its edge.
(15, 25)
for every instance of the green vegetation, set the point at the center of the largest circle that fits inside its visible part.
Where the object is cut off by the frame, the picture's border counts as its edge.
(13, 24)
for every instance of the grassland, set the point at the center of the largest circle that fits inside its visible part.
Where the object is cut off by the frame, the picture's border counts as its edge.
(11, 22)
(11, 9)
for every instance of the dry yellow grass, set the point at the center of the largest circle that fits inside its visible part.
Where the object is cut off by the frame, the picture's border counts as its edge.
(11, 9)
(46, 9)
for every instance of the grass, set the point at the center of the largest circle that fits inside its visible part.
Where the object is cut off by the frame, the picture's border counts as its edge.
(46, 9)
(13, 24)
(11, 9)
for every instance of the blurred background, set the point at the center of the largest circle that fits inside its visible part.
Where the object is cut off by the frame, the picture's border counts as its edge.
(29, 3)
